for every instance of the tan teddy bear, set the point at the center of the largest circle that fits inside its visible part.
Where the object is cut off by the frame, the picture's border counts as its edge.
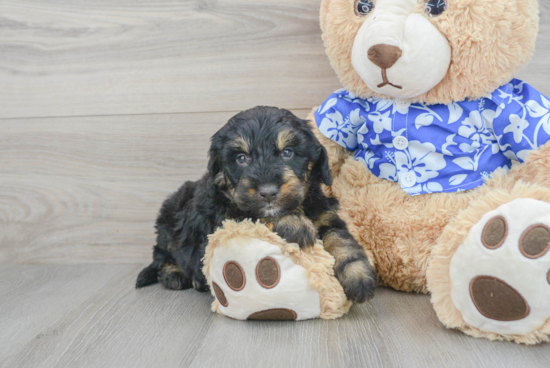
(421, 144)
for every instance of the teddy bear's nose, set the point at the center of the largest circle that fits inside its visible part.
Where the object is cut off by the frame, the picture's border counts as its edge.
(384, 55)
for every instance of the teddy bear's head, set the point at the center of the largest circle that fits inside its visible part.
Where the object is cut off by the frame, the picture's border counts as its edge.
(433, 51)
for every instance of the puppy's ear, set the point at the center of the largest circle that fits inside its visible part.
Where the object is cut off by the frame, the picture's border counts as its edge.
(321, 169)
(214, 162)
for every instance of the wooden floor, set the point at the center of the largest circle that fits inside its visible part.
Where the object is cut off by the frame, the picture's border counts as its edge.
(91, 316)
(105, 108)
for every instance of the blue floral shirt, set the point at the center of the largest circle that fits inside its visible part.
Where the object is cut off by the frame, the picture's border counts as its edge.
(438, 148)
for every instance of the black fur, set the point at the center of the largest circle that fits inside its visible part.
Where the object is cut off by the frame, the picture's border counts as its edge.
(246, 156)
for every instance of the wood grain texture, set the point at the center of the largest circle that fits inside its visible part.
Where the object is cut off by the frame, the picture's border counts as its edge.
(75, 57)
(116, 326)
(537, 71)
(88, 189)
(33, 297)
(91, 316)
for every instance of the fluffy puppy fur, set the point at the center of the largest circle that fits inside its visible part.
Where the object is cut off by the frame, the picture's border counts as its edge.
(265, 164)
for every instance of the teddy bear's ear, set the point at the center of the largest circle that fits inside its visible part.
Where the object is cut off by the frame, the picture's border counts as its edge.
(321, 169)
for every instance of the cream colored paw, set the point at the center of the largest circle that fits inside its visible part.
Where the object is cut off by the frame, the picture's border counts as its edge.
(500, 274)
(255, 274)
(252, 279)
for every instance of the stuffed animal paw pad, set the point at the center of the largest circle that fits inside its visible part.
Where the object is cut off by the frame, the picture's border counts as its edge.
(259, 282)
(500, 275)
(254, 274)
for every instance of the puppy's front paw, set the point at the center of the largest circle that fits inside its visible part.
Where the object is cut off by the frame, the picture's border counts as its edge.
(297, 229)
(358, 279)
(200, 284)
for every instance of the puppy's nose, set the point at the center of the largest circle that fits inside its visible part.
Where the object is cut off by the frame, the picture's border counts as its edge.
(268, 193)
(384, 55)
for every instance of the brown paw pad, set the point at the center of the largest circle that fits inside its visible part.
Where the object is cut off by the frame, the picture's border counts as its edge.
(279, 314)
(268, 273)
(535, 241)
(234, 275)
(220, 295)
(494, 232)
(497, 300)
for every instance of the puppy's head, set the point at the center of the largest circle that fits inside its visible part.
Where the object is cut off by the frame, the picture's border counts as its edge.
(265, 159)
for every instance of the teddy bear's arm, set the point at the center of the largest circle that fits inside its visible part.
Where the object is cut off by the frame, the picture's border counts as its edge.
(352, 267)
(523, 120)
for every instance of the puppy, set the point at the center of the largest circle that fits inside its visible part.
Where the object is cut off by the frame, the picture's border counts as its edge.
(266, 164)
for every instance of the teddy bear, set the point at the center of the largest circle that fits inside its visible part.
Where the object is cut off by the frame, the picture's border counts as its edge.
(440, 158)
(440, 161)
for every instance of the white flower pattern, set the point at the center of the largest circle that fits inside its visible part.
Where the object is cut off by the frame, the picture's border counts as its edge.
(450, 148)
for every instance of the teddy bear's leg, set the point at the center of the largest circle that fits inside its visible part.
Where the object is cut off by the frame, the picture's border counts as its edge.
(489, 274)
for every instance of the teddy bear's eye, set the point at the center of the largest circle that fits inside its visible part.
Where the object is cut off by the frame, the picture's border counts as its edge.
(363, 7)
(435, 7)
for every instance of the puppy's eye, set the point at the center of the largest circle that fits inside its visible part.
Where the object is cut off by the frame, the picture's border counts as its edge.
(363, 7)
(287, 152)
(435, 7)
(242, 159)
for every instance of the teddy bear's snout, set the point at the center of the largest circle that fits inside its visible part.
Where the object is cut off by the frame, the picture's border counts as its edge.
(383, 55)
(398, 52)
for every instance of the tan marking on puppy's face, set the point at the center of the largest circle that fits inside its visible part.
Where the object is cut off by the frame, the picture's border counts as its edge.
(246, 191)
(292, 187)
(241, 144)
(284, 138)
(220, 180)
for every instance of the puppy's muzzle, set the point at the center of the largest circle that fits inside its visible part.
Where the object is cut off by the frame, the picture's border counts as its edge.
(268, 193)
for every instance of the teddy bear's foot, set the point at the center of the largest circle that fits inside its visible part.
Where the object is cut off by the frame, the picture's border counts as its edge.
(253, 279)
(500, 275)
(255, 274)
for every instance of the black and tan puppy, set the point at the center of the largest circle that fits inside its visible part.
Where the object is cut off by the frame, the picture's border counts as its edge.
(266, 164)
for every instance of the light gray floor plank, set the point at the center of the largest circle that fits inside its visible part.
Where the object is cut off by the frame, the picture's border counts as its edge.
(416, 338)
(116, 326)
(91, 316)
(74, 57)
(88, 189)
(33, 297)
(353, 341)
